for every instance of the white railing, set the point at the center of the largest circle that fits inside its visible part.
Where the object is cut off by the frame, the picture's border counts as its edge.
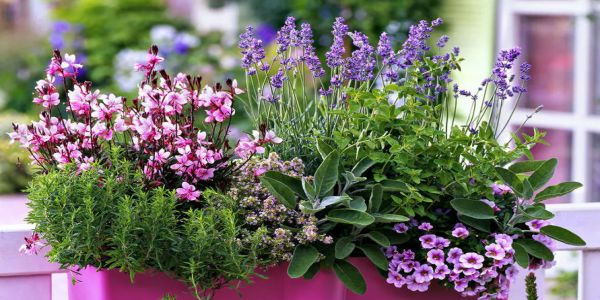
(583, 219)
(27, 277)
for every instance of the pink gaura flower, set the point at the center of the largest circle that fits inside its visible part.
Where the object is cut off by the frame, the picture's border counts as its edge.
(270, 137)
(187, 192)
(69, 60)
(48, 101)
(31, 244)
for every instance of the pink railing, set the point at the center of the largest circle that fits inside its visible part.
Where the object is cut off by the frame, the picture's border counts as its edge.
(32, 277)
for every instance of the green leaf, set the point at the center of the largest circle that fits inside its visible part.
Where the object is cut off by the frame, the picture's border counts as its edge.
(304, 256)
(364, 164)
(379, 238)
(326, 175)
(535, 249)
(350, 216)
(312, 271)
(323, 148)
(538, 212)
(527, 189)
(293, 183)
(375, 255)
(344, 247)
(511, 179)
(558, 190)
(483, 225)
(332, 200)
(543, 174)
(394, 186)
(526, 166)
(389, 218)
(376, 196)
(358, 203)
(473, 208)
(281, 191)
(350, 276)
(521, 255)
(562, 235)
(309, 189)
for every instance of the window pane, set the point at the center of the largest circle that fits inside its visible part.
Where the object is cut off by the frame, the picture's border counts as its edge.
(547, 43)
(594, 174)
(560, 148)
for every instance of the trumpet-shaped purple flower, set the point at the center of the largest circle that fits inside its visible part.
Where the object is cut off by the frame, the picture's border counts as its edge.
(471, 260)
(428, 241)
(435, 257)
(495, 251)
(423, 273)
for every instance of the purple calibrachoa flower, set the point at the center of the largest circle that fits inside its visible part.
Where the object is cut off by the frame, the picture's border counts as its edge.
(536, 225)
(495, 251)
(423, 273)
(428, 241)
(400, 228)
(396, 279)
(500, 189)
(435, 257)
(460, 231)
(471, 260)
(425, 226)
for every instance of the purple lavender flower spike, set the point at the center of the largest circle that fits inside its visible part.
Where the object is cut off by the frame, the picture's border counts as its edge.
(310, 57)
(360, 65)
(278, 79)
(251, 49)
(287, 35)
(335, 55)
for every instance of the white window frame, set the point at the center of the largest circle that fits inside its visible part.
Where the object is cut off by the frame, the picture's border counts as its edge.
(579, 122)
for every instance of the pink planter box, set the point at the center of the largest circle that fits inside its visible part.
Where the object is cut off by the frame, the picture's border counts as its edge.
(113, 285)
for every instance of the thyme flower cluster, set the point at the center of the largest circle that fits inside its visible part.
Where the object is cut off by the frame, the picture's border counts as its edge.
(285, 228)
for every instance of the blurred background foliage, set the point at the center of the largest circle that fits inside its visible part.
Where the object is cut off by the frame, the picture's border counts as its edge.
(391, 16)
(110, 36)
